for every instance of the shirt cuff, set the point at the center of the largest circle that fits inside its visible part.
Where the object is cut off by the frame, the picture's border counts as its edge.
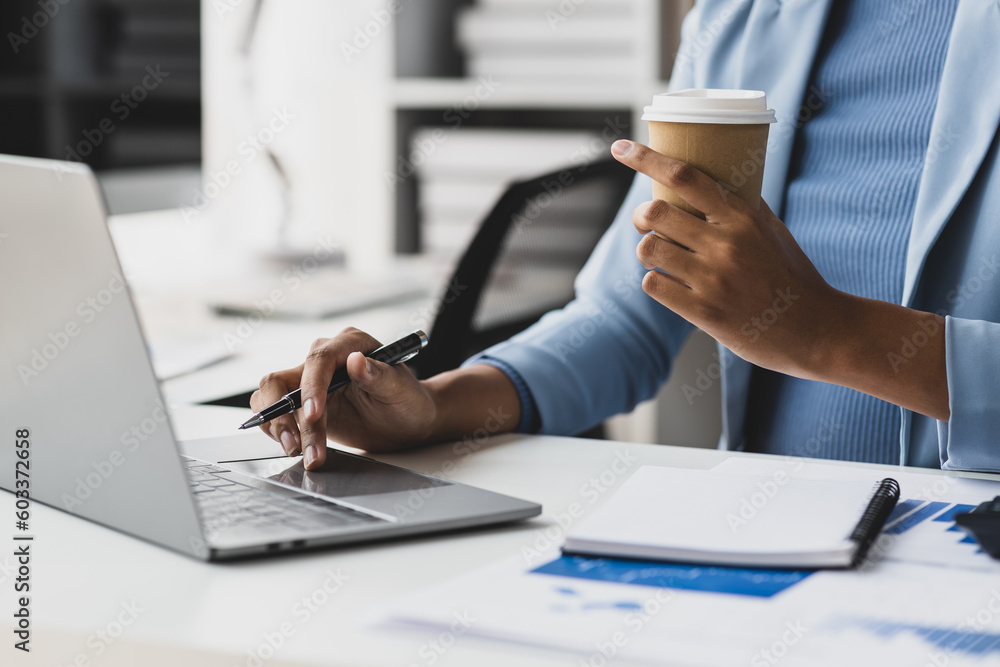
(529, 415)
(967, 439)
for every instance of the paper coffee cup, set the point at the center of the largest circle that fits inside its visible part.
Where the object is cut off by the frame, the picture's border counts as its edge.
(721, 132)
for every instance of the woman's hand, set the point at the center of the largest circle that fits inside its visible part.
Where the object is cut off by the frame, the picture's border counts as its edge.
(739, 276)
(383, 408)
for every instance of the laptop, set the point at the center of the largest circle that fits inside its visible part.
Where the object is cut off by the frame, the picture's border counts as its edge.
(92, 437)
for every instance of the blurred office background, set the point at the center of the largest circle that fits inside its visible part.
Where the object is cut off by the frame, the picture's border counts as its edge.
(390, 127)
(64, 69)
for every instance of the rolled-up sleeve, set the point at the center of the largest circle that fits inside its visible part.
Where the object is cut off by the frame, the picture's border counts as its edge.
(968, 440)
(529, 418)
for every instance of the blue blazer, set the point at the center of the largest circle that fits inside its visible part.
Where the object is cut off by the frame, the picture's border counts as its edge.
(611, 347)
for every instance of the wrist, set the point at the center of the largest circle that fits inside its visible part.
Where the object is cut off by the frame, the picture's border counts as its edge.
(866, 349)
(478, 398)
(451, 398)
(436, 423)
(841, 341)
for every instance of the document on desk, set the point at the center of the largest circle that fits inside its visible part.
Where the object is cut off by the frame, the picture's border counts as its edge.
(709, 517)
(928, 597)
(921, 530)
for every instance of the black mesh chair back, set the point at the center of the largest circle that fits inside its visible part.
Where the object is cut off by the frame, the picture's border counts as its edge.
(523, 260)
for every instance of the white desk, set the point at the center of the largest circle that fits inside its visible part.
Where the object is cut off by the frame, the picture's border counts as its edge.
(196, 613)
(83, 573)
(175, 269)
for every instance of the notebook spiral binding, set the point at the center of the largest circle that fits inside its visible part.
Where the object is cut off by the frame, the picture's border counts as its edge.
(882, 502)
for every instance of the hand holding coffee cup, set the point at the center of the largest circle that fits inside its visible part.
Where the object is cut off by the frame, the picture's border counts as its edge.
(715, 253)
(721, 132)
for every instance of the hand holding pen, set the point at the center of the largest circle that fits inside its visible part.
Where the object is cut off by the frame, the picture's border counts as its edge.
(382, 404)
(402, 350)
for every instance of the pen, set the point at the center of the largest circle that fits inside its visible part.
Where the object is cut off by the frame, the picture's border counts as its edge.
(402, 350)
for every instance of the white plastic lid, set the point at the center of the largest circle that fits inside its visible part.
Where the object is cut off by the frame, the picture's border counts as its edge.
(711, 105)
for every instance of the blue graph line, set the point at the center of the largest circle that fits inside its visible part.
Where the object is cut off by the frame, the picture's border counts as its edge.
(968, 642)
(949, 515)
(902, 508)
(909, 513)
(735, 581)
(912, 519)
(574, 602)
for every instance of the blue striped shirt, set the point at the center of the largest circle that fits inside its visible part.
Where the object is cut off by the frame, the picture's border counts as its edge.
(850, 200)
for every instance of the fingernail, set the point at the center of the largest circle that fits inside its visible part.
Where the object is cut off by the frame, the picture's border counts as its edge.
(369, 369)
(288, 443)
(310, 409)
(621, 148)
(310, 455)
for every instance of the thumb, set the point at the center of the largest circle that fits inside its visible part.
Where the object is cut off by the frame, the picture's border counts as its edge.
(375, 378)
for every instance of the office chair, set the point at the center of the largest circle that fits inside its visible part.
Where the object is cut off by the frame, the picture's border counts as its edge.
(523, 260)
(520, 265)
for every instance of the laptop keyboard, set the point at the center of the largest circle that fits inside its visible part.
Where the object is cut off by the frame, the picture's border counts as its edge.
(224, 503)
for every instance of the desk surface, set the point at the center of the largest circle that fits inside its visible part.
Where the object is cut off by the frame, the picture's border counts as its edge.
(175, 269)
(83, 574)
(86, 577)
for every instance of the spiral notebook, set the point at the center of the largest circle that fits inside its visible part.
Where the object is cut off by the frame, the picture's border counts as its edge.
(703, 516)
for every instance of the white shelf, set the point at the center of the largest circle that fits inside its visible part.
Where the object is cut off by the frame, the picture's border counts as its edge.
(525, 69)
(418, 93)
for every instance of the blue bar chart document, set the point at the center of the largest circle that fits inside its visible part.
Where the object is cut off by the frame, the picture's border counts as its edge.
(927, 595)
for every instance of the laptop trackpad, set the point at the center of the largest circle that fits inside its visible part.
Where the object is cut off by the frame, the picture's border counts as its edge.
(342, 475)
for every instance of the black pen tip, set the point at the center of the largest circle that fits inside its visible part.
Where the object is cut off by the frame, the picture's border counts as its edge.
(250, 423)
